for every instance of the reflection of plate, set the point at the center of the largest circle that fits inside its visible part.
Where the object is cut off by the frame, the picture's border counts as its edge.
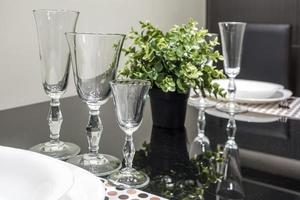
(245, 117)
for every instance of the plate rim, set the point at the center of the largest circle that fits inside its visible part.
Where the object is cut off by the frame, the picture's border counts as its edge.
(286, 93)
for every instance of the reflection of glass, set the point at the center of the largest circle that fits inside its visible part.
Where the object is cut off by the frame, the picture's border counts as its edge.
(232, 36)
(95, 59)
(201, 142)
(129, 99)
(231, 184)
(55, 59)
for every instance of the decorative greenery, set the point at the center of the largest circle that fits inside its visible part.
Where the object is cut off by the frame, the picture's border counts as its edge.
(187, 182)
(174, 61)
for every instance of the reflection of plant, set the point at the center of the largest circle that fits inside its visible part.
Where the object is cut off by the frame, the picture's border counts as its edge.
(187, 182)
(174, 61)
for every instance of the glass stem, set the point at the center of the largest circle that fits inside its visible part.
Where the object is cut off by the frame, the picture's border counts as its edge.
(231, 91)
(231, 131)
(94, 130)
(55, 120)
(128, 150)
(201, 122)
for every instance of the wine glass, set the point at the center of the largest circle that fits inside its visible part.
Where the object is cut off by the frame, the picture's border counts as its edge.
(129, 99)
(201, 142)
(232, 36)
(55, 63)
(95, 59)
(231, 185)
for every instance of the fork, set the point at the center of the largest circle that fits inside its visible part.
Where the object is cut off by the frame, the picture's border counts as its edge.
(286, 103)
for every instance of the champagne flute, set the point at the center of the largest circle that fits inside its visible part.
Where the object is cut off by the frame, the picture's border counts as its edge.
(55, 63)
(232, 36)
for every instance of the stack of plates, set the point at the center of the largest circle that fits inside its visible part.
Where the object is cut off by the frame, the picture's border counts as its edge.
(248, 92)
(30, 176)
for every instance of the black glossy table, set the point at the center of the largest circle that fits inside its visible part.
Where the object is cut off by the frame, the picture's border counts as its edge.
(26, 126)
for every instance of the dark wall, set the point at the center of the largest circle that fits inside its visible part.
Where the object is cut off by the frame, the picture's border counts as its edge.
(262, 11)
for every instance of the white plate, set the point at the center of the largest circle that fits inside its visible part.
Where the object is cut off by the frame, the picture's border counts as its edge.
(249, 89)
(245, 117)
(254, 92)
(278, 96)
(31, 176)
(86, 186)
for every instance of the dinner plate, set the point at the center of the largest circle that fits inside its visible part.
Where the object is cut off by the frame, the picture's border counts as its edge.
(31, 176)
(255, 92)
(280, 95)
(86, 186)
(248, 89)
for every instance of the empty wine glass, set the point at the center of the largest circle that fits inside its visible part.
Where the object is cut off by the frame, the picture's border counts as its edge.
(55, 63)
(129, 99)
(201, 142)
(232, 36)
(231, 186)
(95, 59)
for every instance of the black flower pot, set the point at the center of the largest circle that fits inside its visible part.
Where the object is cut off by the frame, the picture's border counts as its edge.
(168, 137)
(168, 109)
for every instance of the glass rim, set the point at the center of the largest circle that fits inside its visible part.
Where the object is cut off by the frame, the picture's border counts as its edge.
(130, 82)
(55, 11)
(95, 34)
(237, 23)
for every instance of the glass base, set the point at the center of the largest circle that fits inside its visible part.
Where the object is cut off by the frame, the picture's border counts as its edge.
(129, 178)
(231, 185)
(60, 150)
(98, 164)
(197, 103)
(199, 146)
(230, 189)
(231, 108)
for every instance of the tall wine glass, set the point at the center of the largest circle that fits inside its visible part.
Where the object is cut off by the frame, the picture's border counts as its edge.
(129, 100)
(231, 186)
(95, 59)
(232, 36)
(201, 142)
(55, 63)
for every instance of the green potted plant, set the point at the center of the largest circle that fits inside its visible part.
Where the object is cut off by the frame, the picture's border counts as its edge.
(175, 62)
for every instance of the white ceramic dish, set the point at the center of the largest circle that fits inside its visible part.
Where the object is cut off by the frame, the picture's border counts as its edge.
(255, 92)
(247, 89)
(86, 186)
(280, 95)
(30, 176)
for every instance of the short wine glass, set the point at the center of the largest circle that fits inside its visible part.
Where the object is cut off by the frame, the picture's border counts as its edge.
(232, 37)
(55, 64)
(95, 59)
(129, 99)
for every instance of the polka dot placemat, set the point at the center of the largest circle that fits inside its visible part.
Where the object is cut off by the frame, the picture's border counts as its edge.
(113, 193)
